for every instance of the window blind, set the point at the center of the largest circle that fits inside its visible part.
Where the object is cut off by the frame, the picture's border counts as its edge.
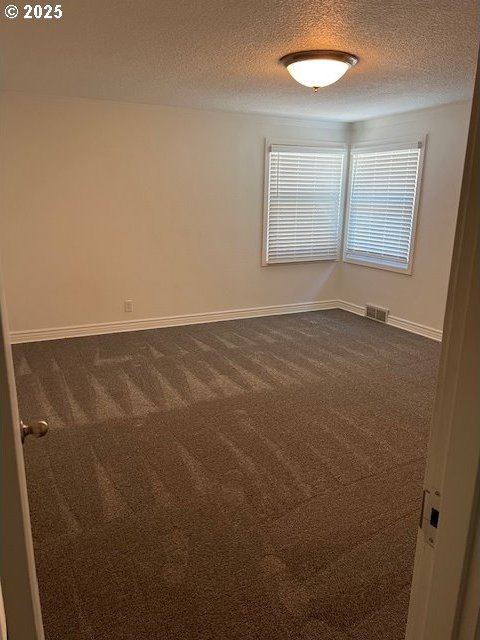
(382, 202)
(304, 201)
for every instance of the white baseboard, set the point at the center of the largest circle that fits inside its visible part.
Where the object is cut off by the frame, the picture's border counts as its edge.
(394, 321)
(121, 326)
(352, 308)
(415, 327)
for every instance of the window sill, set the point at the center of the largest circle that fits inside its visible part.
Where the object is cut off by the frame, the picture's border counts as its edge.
(406, 271)
(275, 263)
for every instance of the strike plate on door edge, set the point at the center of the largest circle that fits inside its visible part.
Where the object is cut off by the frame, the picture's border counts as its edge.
(430, 516)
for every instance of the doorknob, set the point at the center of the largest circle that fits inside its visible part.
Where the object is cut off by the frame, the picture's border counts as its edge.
(37, 429)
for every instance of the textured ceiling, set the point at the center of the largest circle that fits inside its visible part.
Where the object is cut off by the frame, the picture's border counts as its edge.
(215, 54)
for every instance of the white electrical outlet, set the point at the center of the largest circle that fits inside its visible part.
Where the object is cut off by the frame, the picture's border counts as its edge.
(128, 306)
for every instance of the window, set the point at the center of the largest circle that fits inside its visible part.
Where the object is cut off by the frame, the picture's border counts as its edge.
(382, 204)
(303, 203)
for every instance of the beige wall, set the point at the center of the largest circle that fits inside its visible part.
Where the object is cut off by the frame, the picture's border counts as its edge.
(104, 201)
(419, 297)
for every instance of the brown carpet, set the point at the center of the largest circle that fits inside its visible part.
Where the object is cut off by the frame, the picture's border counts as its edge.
(245, 480)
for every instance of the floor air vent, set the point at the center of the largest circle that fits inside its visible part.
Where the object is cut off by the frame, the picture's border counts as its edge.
(376, 313)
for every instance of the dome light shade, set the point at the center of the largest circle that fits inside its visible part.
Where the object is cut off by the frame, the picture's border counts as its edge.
(318, 68)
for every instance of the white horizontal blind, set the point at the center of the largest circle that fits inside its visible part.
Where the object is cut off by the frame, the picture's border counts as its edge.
(383, 195)
(304, 200)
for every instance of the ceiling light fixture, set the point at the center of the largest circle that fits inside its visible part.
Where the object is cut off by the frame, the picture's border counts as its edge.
(318, 68)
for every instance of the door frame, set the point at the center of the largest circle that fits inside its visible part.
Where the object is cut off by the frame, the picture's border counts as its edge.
(17, 569)
(445, 581)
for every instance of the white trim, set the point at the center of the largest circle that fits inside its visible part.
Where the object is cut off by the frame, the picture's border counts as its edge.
(121, 326)
(343, 149)
(379, 145)
(390, 144)
(377, 265)
(351, 308)
(415, 327)
(316, 143)
(394, 321)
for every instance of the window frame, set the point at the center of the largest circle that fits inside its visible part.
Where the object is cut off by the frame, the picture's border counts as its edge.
(308, 144)
(385, 145)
